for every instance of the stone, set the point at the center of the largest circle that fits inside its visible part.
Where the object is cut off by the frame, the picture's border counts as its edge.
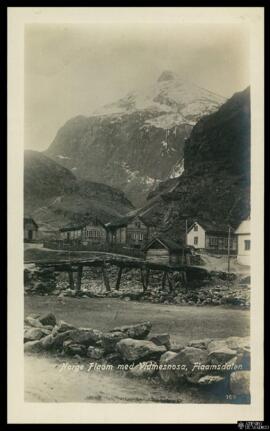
(95, 352)
(34, 334)
(48, 319)
(63, 326)
(85, 336)
(177, 347)
(238, 343)
(32, 347)
(144, 369)
(109, 340)
(72, 348)
(221, 356)
(47, 342)
(135, 350)
(31, 321)
(161, 340)
(113, 358)
(59, 339)
(240, 382)
(167, 376)
(185, 364)
(210, 380)
(216, 345)
(138, 331)
(200, 344)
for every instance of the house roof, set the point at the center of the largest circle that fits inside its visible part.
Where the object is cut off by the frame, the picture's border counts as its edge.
(71, 227)
(212, 227)
(29, 220)
(78, 226)
(167, 243)
(125, 220)
(243, 228)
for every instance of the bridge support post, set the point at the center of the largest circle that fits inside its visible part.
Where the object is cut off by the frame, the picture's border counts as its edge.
(71, 279)
(79, 278)
(105, 278)
(118, 281)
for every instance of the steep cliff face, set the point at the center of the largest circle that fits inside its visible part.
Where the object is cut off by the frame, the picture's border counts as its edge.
(216, 182)
(137, 141)
(53, 196)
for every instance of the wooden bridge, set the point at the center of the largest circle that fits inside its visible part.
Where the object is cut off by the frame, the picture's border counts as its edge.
(76, 266)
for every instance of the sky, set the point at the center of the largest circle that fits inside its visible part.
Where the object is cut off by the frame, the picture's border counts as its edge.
(73, 69)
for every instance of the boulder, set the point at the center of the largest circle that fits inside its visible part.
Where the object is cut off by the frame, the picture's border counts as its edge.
(48, 319)
(144, 369)
(138, 331)
(238, 343)
(167, 376)
(95, 352)
(47, 342)
(200, 344)
(72, 348)
(110, 339)
(135, 350)
(32, 346)
(184, 365)
(177, 347)
(34, 334)
(240, 382)
(62, 326)
(31, 321)
(85, 336)
(210, 380)
(161, 340)
(113, 358)
(221, 356)
(59, 339)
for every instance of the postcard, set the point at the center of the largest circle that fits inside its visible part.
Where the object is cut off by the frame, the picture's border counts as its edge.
(135, 215)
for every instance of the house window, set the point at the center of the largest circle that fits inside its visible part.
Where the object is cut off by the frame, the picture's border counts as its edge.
(247, 244)
(138, 224)
(196, 240)
(196, 228)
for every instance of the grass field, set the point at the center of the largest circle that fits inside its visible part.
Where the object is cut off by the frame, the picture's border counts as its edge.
(182, 322)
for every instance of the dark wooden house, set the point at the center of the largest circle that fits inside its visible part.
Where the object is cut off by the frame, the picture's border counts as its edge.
(131, 230)
(30, 229)
(166, 251)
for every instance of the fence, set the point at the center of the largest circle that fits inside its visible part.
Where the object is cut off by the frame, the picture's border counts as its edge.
(105, 248)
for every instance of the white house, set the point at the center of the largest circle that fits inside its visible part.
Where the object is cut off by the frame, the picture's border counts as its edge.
(244, 243)
(212, 237)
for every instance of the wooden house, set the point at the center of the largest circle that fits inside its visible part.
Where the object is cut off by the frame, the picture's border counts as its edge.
(211, 237)
(91, 232)
(131, 230)
(71, 233)
(30, 229)
(94, 232)
(165, 251)
(244, 242)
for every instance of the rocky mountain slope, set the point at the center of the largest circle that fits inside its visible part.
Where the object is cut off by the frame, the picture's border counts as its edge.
(215, 184)
(53, 196)
(137, 141)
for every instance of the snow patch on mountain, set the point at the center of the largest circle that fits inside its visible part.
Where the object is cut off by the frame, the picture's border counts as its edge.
(63, 157)
(177, 169)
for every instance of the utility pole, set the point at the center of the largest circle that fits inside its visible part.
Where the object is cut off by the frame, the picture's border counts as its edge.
(229, 241)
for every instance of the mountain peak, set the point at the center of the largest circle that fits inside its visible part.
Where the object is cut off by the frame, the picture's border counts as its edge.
(167, 75)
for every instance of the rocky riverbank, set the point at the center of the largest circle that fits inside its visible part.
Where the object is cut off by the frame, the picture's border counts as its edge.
(219, 289)
(222, 365)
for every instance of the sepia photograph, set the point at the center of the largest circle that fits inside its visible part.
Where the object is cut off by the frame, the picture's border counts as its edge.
(138, 218)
